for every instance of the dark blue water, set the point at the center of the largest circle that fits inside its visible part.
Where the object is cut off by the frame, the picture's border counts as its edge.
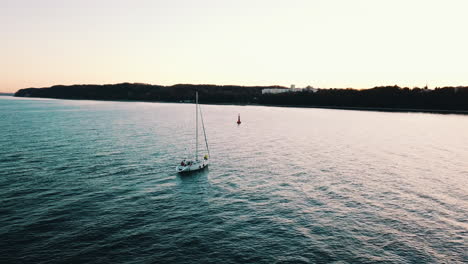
(95, 182)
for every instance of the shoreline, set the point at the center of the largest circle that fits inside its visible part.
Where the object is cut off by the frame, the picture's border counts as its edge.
(373, 109)
(382, 109)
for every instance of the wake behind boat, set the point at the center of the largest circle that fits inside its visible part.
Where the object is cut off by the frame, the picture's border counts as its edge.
(196, 164)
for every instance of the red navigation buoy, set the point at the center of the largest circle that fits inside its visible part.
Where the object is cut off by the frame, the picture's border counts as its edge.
(238, 120)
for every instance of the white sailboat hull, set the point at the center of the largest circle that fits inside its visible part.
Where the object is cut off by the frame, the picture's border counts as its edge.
(194, 166)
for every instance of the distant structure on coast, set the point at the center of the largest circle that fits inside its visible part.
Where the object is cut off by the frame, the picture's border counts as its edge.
(293, 89)
(275, 90)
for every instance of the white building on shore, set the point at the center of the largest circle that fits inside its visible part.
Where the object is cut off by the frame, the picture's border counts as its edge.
(288, 90)
(275, 90)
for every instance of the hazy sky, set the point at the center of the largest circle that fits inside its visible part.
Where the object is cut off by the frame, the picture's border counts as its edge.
(323, 43)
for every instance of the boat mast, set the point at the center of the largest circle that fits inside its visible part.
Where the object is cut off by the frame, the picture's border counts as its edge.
(196, 129)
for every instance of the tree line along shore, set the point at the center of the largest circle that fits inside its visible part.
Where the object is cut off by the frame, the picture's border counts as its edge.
(444, 99)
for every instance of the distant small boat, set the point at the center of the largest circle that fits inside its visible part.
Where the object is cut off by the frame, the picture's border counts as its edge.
(238, 120)
(196, 164)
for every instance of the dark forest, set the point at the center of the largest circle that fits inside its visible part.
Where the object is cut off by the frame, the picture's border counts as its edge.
(391, 97)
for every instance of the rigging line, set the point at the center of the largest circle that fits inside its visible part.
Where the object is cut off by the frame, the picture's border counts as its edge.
(204, 132)
(196, 114)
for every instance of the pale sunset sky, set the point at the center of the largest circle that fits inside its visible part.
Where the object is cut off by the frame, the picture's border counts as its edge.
(322, 43)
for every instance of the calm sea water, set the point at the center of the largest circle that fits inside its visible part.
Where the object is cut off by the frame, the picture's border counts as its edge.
(95, 182)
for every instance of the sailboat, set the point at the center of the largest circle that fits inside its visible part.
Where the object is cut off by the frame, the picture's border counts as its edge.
(196, 164)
